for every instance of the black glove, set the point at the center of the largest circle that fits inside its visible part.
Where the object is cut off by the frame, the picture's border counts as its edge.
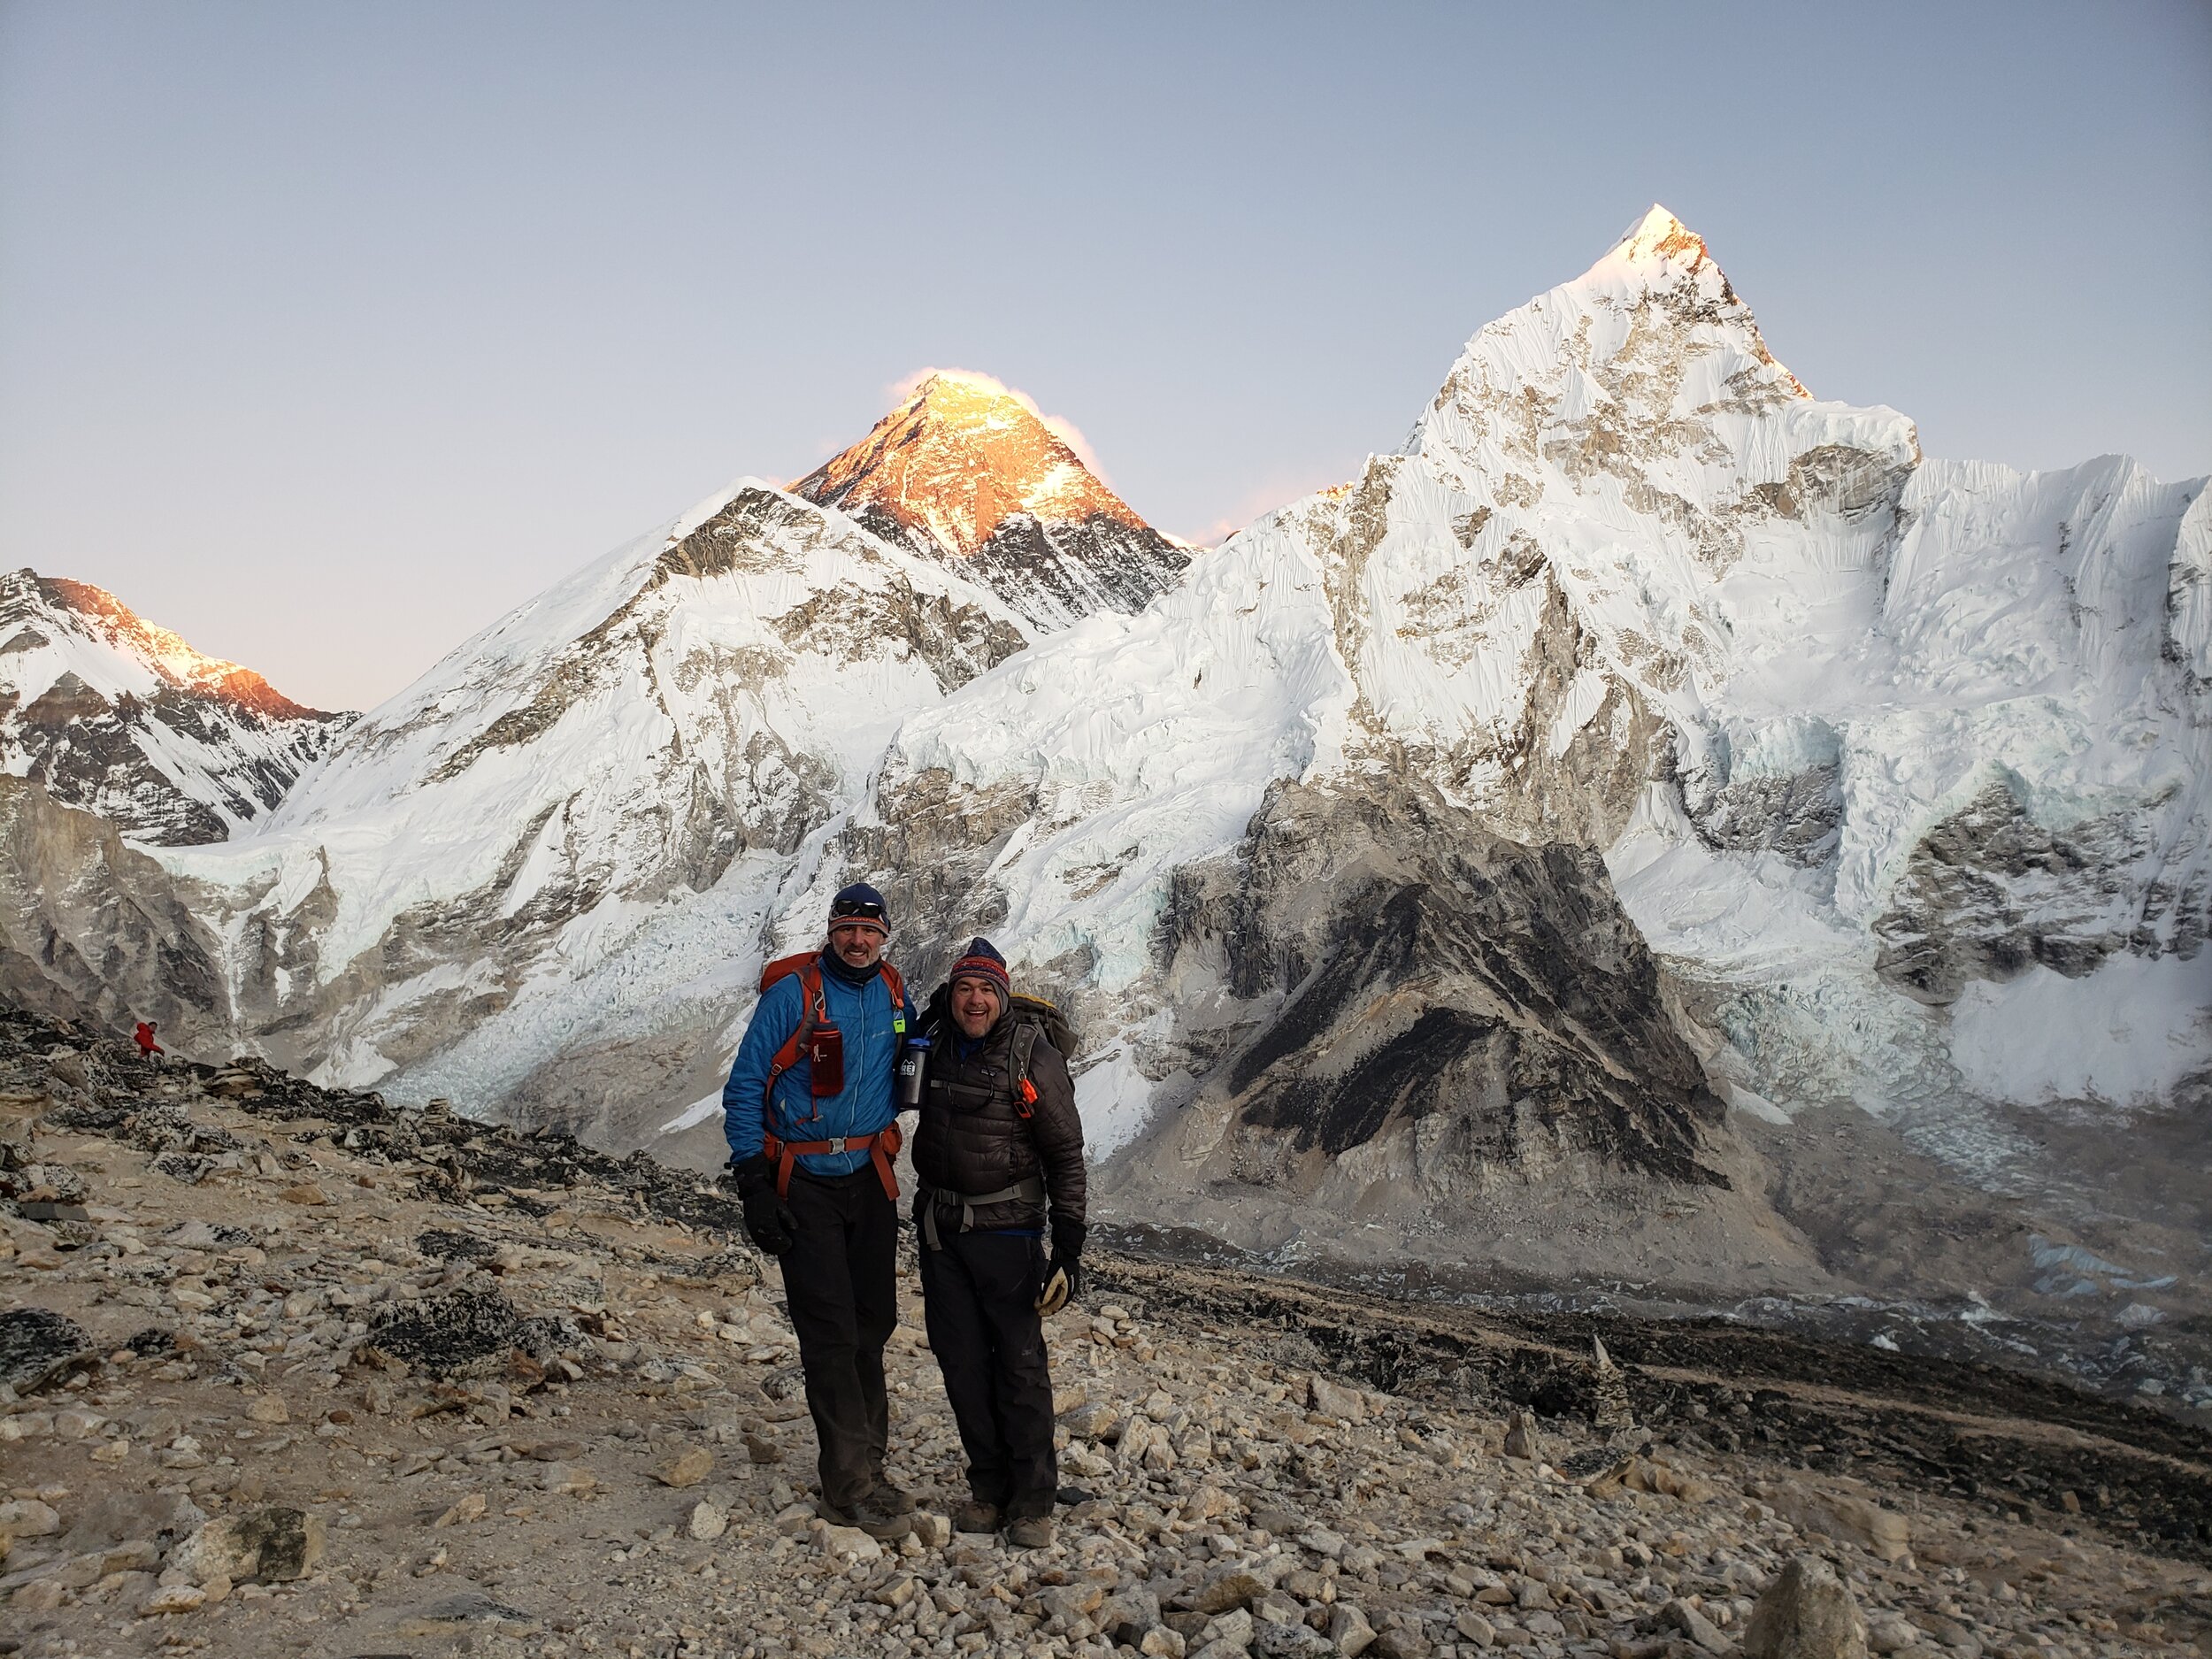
(1063, 1273)
(769, 1222)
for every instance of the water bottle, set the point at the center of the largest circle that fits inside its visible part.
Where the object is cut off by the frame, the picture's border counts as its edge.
(913, 1073)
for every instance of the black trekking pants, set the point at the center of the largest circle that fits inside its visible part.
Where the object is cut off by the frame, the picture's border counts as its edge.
(840, 1278)
(979, 1299)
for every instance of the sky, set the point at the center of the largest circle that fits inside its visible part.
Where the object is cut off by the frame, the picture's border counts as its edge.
(329, 334)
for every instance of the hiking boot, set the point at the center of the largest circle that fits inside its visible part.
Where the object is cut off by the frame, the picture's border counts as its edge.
(1029, 1531)
(869, 1516)
(975, 1516)
(892, 1499)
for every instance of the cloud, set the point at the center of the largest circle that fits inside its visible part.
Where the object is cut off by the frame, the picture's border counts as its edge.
(1059, 426)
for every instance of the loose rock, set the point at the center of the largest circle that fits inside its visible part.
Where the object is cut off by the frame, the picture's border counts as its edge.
(1807, 1613)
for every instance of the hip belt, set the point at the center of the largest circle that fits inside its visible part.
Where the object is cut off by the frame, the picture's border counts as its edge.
(881, 1148)
(1029, 1190)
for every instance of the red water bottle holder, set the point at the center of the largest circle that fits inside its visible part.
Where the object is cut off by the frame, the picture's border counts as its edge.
(825, 1061)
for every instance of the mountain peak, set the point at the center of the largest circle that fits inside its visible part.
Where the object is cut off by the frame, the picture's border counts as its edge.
(117, 715)
(166, 653)
(959, 456)
(968, 470)
(1660, 238)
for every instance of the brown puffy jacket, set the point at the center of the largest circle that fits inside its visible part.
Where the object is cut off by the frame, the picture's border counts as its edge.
(973, 1140)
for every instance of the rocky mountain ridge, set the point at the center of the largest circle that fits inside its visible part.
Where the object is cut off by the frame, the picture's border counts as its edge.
(106, 711)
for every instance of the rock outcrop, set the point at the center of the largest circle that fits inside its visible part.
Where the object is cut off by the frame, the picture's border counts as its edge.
(90, 928)
(1395, 978)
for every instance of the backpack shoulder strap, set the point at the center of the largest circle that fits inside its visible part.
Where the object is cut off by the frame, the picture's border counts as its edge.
(811, 1012)
(1017, 1051)
(784, 967)
(897, 988)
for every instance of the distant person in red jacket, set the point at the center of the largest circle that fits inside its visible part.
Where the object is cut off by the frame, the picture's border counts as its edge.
(144, 1038)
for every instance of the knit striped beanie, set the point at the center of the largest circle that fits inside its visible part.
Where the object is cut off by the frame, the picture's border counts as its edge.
(981, 961)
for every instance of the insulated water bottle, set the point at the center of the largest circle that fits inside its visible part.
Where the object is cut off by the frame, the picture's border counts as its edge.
(913, 1073)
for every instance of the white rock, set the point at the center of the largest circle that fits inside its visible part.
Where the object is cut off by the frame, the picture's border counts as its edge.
(709, 1520)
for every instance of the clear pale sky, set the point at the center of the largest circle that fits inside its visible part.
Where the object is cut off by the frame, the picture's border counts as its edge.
(329, 333)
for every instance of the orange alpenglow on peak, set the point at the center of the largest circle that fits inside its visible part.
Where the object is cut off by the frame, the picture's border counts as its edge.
(968, 473)
(167, 655)
(959, 457)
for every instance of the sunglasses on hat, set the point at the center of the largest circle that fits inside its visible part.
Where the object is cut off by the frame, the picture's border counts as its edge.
(859, 911)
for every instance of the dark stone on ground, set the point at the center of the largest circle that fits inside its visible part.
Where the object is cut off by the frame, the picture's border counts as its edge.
(37, 1346)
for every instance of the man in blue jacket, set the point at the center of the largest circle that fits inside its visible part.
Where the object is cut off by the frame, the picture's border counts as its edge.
(814, 1129)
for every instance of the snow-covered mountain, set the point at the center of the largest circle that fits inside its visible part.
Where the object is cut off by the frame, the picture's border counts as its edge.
(1481, 850)
(1901, 768)
(110, 713)
(967, 472)
(579, 819)
(1859, 735)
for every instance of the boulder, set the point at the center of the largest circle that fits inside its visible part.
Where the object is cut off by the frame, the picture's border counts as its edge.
(685, 1468)
(28, 1517)
(1334, 1400)
(1093, 1421)
(846, 1543)
(1128, 1613)
(932, 1532)
(463, 1333)
(1882, 1533)
(1230, 1587)
(275, 1544)
(1348, 1629)
(708, 1521)
(1696, 1626)
(39, 1346)
(1807, 1613)
(1522, 1440)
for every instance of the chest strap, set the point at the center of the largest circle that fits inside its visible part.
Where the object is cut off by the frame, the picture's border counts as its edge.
(881, 1148)
(1031, 1189)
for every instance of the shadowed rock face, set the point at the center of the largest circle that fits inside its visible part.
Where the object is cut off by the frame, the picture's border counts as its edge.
(1398, 972)
(1988, 892)
(91, 929)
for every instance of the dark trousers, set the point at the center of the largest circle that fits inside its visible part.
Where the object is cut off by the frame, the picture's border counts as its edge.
(979, 1297)
(840, 1278)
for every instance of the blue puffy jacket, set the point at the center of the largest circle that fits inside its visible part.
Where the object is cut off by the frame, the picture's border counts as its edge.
(873, 1031)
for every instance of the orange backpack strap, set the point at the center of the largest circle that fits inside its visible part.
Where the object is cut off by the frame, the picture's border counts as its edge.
(883, 1149)
(812, 1012)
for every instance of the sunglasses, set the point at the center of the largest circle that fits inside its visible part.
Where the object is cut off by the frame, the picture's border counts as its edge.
(859, 911)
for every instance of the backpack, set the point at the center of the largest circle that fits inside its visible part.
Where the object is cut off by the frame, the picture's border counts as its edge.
(1031, 1014)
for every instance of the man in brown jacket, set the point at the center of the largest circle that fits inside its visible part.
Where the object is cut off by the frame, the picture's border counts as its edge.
(999, 1153)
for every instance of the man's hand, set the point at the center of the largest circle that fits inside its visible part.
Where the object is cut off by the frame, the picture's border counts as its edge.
(769, 1222)
(1063, 1273)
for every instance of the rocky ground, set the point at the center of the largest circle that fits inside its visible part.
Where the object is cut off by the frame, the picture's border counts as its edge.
(284, 1371)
